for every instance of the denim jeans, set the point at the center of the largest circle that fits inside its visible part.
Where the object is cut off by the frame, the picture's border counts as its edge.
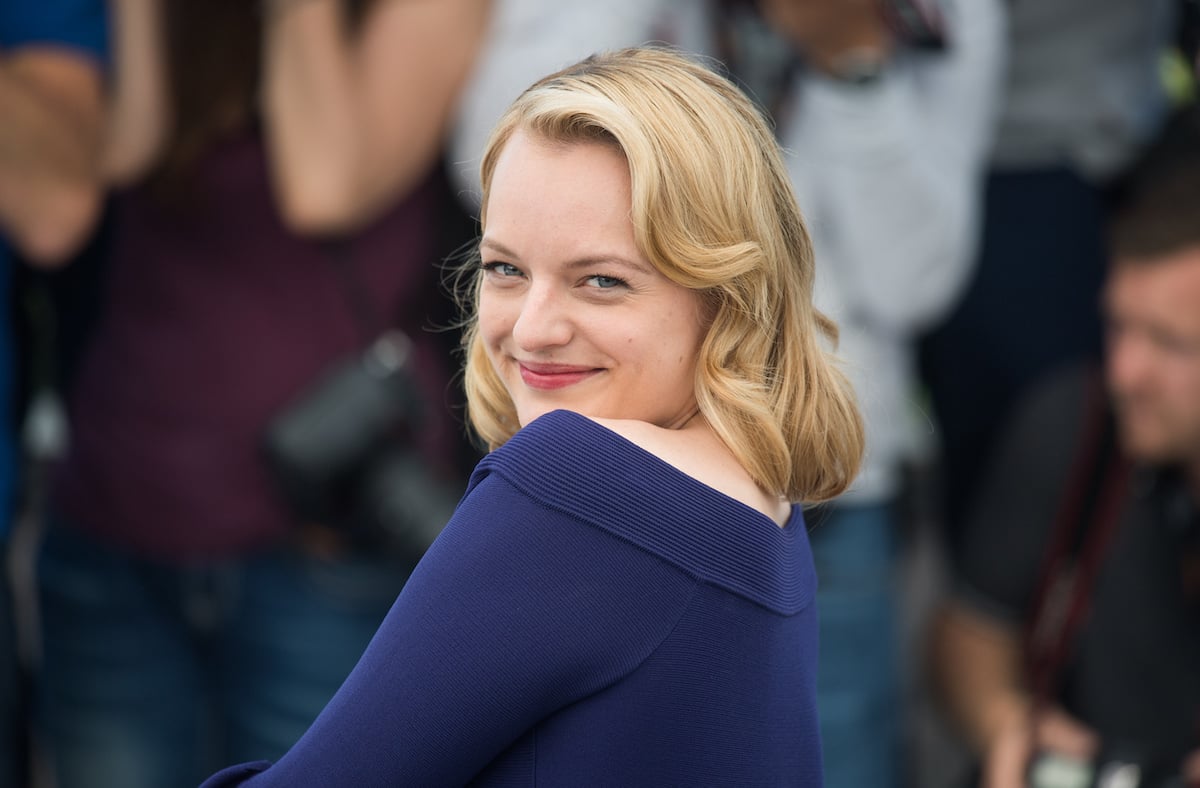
(13, 725)
(156, 675)
(858, 680)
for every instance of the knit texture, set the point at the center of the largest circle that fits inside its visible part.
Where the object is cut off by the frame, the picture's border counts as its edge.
(590, 616)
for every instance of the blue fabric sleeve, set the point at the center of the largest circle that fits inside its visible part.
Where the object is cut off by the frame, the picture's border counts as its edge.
(516, 611)
(78, 24)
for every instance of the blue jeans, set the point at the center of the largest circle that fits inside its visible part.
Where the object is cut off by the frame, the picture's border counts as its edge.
(858, 681)
(156, 675)
(13, 724)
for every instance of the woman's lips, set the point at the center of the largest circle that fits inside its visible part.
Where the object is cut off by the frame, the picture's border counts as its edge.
(553, 376)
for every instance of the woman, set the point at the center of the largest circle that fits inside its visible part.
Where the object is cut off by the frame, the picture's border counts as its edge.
(624, 595)
(190, 618)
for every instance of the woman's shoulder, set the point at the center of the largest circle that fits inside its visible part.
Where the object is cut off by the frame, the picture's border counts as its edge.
(662, 443)
(698, 452)
(658, 491)
(565, 442)
(570, 441)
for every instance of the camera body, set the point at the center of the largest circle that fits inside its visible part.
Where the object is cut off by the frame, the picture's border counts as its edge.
(341, 454)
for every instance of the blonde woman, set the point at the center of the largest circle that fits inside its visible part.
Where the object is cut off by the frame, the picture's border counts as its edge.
(625, 594)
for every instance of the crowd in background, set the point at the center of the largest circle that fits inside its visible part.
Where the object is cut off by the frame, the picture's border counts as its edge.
(242, 199)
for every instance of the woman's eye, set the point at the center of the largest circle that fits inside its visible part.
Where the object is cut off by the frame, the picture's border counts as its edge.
(605, 282)
(502, 269)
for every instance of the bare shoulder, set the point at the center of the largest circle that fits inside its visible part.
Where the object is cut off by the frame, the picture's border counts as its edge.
(658, 441)
(699, 453)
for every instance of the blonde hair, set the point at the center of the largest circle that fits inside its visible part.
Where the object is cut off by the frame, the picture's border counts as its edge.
(714, 211)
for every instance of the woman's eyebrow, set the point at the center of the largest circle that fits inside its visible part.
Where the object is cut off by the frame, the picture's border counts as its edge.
(496, 246)
(608, 259)
(586, 261)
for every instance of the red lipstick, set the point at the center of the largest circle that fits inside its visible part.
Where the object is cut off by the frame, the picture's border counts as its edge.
(553, 376)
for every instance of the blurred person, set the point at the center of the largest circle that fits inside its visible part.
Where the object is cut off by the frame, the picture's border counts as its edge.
(1071, 643)
(266, 160)
(1083, 96)
(886, 128)
(625, 595)
(51, 58)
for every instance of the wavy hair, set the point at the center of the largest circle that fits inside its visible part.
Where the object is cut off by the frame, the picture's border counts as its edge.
(713, 210)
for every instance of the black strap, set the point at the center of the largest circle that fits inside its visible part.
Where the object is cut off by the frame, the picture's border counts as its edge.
(341, 261)
(1084, 525)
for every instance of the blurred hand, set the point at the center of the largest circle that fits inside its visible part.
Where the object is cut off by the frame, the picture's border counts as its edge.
(1007, 758)
(828, 29)
(1191, 769)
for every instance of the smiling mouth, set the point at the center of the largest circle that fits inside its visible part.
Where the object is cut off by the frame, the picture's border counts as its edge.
(548, 377)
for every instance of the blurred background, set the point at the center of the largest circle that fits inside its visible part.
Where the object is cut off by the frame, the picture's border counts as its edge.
(228, 231)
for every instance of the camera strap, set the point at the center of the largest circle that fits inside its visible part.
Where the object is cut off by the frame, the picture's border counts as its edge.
(386, 349)
(1086, 520)
(341, 261)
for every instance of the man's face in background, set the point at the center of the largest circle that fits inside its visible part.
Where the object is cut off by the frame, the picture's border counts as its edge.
(1153, 355)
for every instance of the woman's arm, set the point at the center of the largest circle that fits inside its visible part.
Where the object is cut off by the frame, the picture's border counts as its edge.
(516, 611)
(51, 118)
(354, 120)
(137, 107)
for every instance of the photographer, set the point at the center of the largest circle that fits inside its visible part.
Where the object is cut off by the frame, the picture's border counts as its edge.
(1070, 652)
(276, 205)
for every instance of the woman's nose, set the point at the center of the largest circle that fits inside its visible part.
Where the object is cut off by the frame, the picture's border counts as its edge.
(544, 320)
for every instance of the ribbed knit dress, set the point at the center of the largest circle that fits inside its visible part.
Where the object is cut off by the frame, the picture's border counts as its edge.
(591, 616)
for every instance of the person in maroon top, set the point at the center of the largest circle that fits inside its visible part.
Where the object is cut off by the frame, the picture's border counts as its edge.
(188, 618)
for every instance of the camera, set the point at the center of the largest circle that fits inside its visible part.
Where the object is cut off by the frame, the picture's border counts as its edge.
(1113, 768)
(342, 456)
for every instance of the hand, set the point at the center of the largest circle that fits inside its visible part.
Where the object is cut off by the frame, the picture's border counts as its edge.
(826, 30)
(1191, 769)
(1008, 755)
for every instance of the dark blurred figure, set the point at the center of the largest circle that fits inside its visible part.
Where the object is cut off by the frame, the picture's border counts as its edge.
(1071, 645)
(1084, 95)
(51, 58)
(278, 201)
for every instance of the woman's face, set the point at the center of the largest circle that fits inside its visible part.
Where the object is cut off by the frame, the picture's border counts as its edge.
(570, 312)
